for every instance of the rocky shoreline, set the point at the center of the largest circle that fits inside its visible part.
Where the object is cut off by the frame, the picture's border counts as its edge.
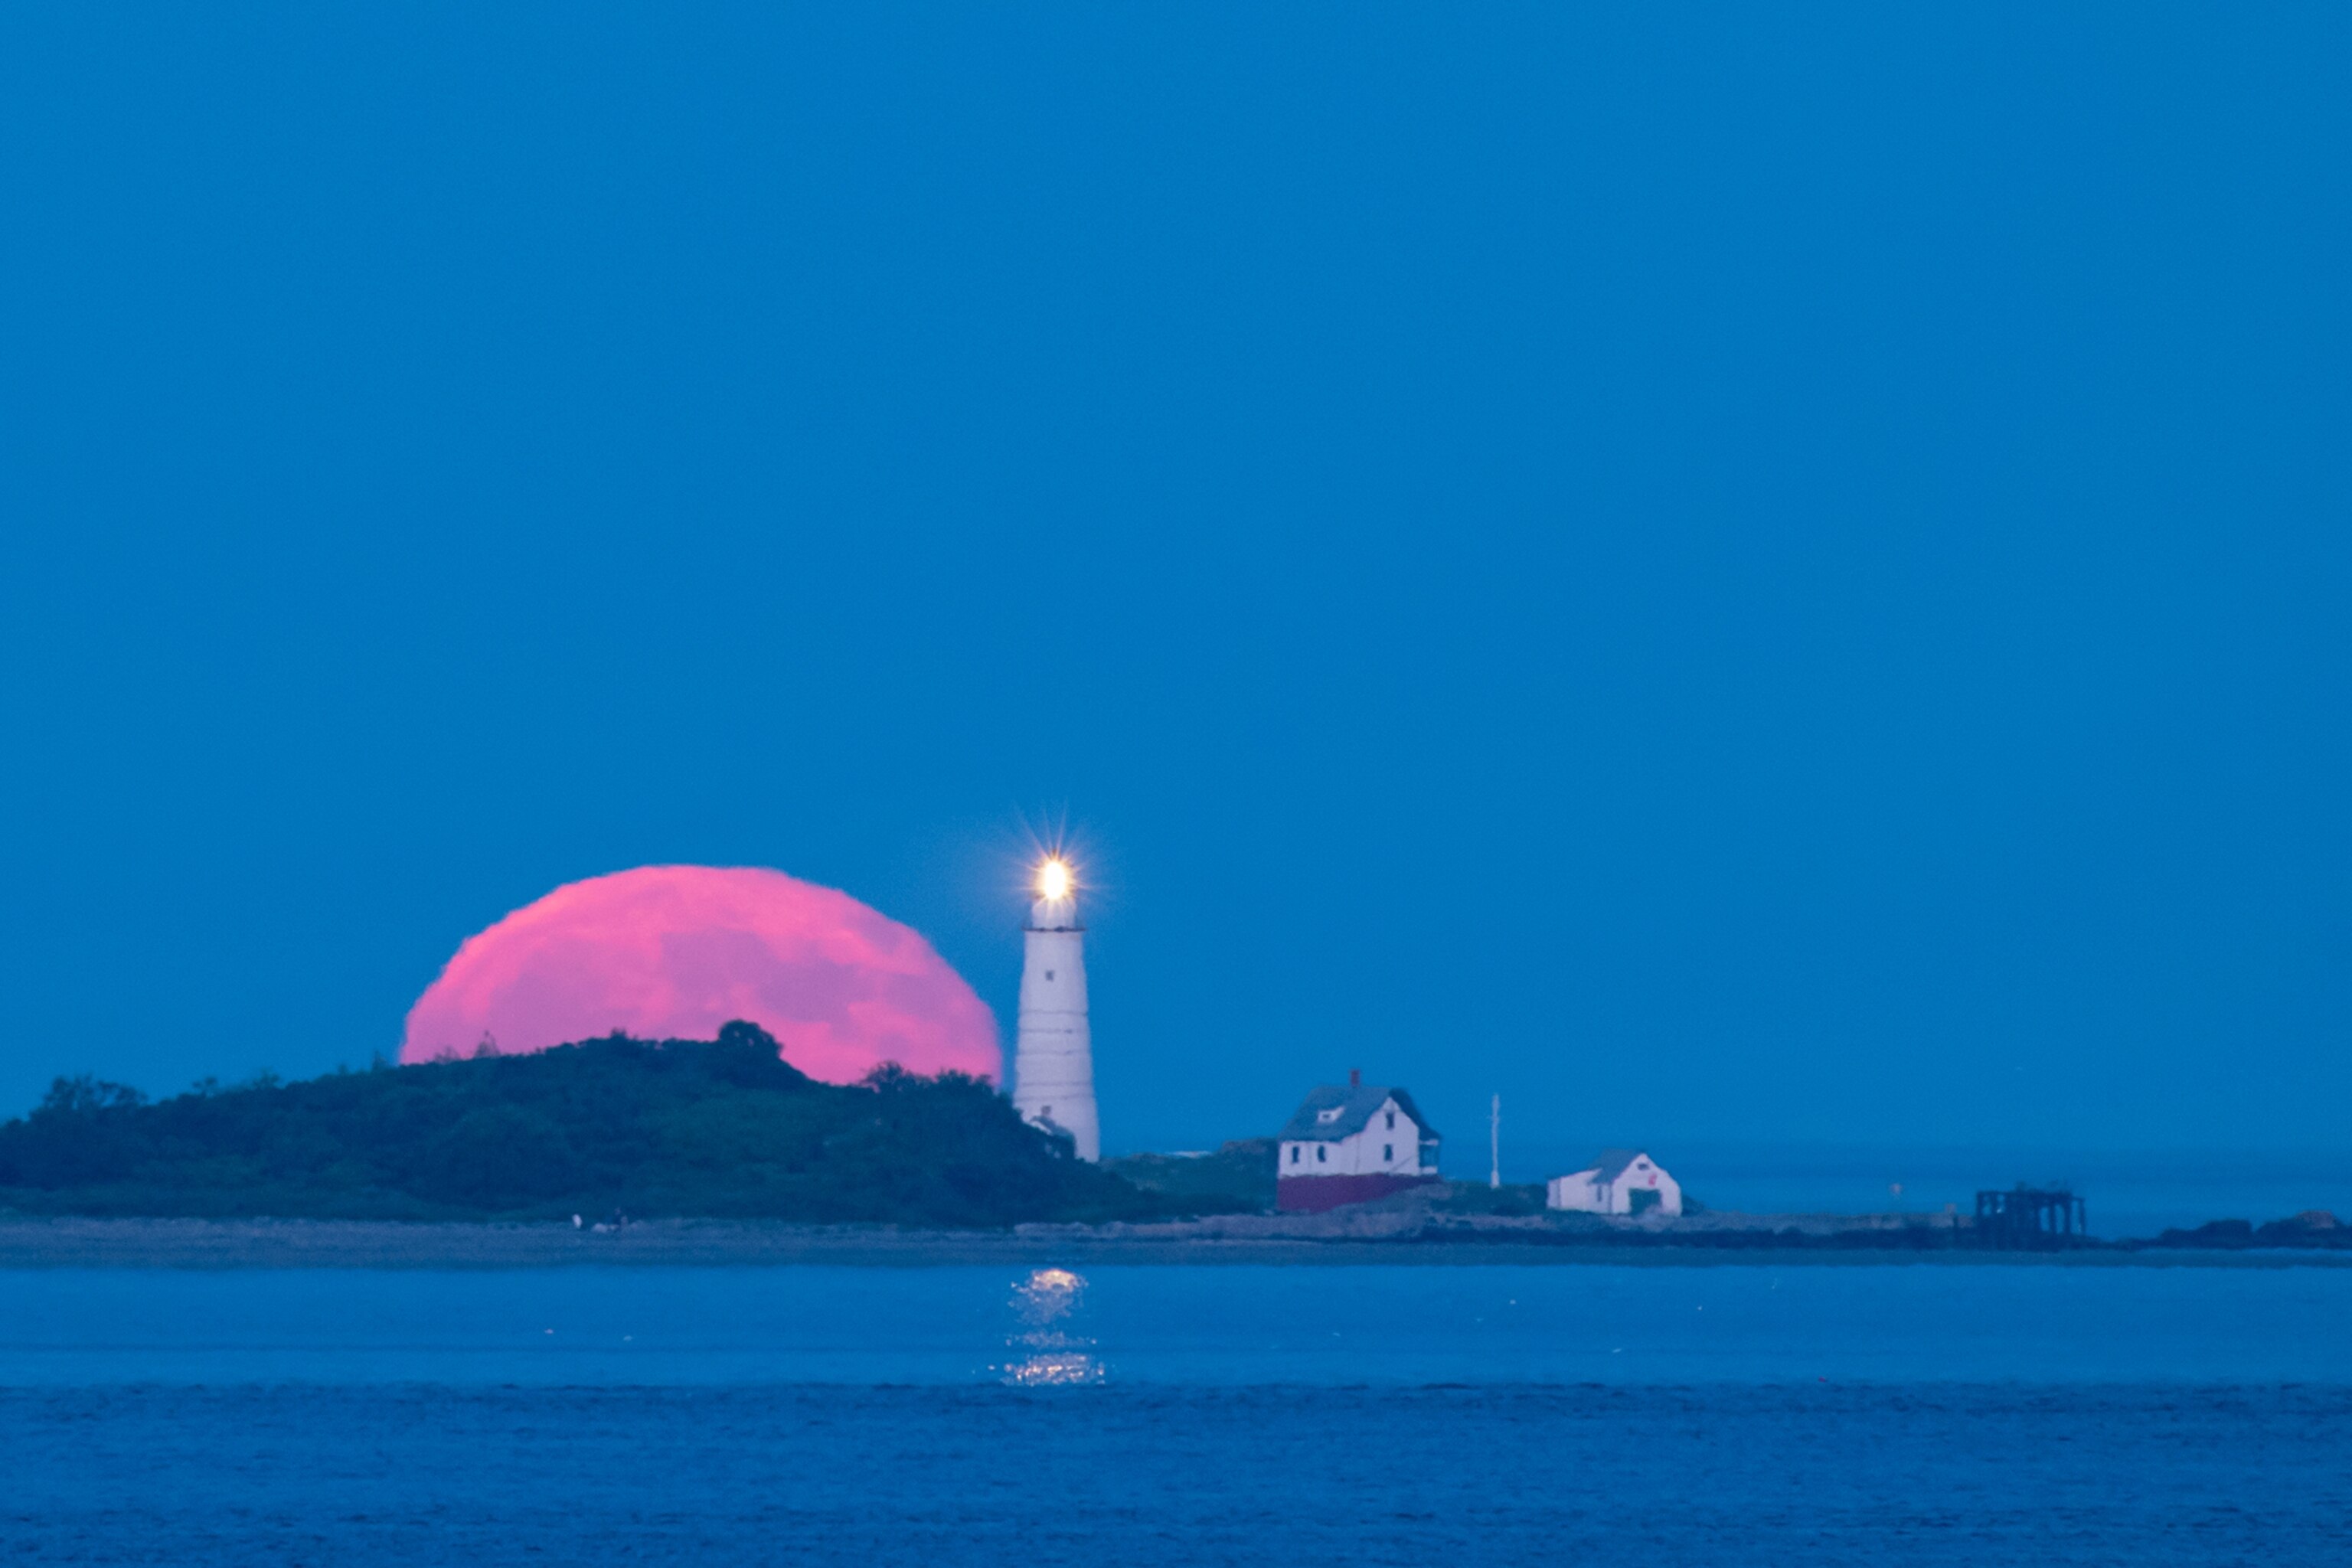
(1320, 1239)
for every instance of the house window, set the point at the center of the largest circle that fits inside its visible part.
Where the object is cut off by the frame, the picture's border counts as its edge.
(1322, 1152)
(1294, 1154)
(1388, 1153)
(1391, 1121)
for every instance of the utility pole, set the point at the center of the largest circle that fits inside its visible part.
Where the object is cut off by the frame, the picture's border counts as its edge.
(1494, 1142)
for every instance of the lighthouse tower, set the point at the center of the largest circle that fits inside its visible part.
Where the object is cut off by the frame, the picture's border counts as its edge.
(1052, 1053)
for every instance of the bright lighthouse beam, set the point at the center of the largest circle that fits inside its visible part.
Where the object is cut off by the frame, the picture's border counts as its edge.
(1054, 880)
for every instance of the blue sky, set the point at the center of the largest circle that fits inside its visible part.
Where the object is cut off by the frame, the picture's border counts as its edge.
(1724, 574)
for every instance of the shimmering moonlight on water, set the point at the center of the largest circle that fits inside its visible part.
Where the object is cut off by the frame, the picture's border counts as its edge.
(1047, 1354)
(1749, 1413)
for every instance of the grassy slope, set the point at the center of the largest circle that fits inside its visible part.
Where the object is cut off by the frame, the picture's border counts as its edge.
(665, 1127)
(1239, 1175)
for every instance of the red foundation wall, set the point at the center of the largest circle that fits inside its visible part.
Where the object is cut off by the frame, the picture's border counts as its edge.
(1313, 1195)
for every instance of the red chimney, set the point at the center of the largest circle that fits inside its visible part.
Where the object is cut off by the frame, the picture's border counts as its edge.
(1355, 1078)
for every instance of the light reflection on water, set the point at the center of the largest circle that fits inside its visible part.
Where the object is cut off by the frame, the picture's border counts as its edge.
(1054, 1356)
(1768, 1321)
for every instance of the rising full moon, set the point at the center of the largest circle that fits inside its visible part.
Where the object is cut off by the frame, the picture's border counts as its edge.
(673, 952)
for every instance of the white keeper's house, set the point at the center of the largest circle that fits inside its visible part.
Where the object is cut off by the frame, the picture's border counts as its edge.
(1622, 1181)
(1352, 1144)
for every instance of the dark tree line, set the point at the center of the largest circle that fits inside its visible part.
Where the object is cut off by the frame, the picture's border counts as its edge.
(651, 1127)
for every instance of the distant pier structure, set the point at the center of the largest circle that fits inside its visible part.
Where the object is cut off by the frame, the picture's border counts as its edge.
(1053, 1050)
(2025, 1218)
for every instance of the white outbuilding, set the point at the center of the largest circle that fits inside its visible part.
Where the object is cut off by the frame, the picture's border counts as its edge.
(1622, 1181)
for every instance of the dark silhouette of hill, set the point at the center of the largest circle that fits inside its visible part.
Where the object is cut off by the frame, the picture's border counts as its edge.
(646, 1127)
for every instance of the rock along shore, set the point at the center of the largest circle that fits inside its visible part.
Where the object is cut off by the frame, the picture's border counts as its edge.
(1320, 1239)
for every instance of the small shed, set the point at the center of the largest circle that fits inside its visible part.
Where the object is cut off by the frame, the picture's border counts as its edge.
(1622, 1181)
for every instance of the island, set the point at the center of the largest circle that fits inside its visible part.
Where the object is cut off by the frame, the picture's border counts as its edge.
(702, 1151)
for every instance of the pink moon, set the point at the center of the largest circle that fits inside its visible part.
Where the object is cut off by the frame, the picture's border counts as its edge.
(673, 952)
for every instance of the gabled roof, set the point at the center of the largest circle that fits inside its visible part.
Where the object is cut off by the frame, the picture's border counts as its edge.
(1356, 1104)
(1612, 1163)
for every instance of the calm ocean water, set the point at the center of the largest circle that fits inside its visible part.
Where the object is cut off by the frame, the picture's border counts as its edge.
(1736, 1412)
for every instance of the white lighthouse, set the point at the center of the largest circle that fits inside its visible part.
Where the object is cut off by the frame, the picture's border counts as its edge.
(1053, 1053)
